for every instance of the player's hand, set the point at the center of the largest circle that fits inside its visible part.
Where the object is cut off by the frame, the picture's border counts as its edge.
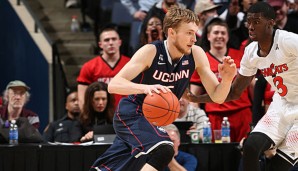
(191, 97)
(227, 69)
(149, 89)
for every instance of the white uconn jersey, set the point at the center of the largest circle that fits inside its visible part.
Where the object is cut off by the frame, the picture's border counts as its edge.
(279, 67)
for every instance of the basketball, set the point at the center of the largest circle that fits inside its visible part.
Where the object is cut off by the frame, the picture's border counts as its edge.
(161, 109)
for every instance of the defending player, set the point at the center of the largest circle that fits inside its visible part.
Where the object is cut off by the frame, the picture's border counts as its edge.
(275, 53)
(155, 67)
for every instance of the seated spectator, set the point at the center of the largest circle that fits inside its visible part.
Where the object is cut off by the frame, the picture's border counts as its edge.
(205, 9)
(67, 129)
(15, 97)
(98, 109)
(236, 20)
(151, 30)
(283, 21)
(182, 160)
(293, 8)
(189, 112)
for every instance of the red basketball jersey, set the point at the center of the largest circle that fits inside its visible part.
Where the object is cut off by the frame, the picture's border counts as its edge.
(98, 69)
(242, 102)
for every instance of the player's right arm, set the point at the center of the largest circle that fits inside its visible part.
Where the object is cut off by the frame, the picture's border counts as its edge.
(141, 60)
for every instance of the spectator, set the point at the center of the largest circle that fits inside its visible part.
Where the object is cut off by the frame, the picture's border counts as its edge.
(184, 161)
(205, 9)
(281, 8)
(189, 112)
(67, 129)
(293, 8)
(151, 30)
(214, 41)
(98, 109)
(103, 68)
(141, 12)
(15, 97)
(236, 19)
(161, 8)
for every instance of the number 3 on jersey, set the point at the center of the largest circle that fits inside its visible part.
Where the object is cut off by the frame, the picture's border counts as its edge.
(279, 84)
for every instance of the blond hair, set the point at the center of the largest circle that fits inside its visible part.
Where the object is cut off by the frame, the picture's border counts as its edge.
(175, 16)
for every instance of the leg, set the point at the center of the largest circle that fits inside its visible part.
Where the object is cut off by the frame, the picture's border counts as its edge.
(159, 158)
(254, 146)
(288, 150)
(277, 163)
(270, 130)
(142, 138)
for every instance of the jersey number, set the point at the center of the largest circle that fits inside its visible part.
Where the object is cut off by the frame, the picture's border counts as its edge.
(279, 84)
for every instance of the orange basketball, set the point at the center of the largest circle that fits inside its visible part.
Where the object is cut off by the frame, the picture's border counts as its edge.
(161, 109)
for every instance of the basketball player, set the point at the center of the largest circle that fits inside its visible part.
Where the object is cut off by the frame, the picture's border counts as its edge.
(161, 66)
(275, 54)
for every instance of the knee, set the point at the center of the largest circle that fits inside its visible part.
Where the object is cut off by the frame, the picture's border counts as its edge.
(166, 152)
(160, 157)
(256, 144)
(249, 147)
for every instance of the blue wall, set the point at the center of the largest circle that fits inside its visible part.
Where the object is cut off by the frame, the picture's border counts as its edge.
(21, 59)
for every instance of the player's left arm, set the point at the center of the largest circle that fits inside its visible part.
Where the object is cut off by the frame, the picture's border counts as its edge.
(239, 85)
(216, 91)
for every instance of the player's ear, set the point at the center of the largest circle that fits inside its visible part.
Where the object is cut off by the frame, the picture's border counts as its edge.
(271, 23)
(171, 32)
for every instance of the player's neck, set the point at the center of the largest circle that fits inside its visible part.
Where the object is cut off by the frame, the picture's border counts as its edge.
(265, 44)
(174, 53)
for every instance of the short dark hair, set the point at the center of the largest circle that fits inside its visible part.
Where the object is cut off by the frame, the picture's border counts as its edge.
(264, 8)
(216, 21)
(70, 90)
(108, 27)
